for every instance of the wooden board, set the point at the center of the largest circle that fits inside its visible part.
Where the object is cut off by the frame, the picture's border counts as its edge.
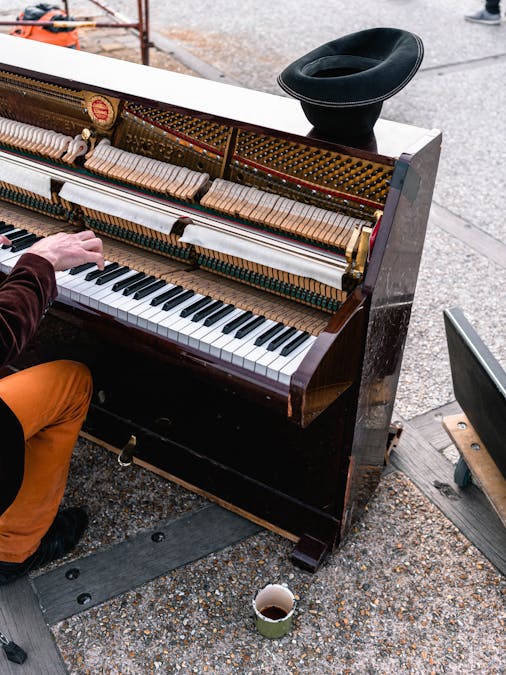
(478, 460)
(81, 584)
(22, 621)
(468, 509)
(430, 425)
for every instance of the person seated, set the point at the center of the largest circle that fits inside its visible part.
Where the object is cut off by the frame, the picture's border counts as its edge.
(41, 412)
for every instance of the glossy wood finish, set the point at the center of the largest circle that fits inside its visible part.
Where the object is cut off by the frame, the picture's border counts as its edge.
(303, 459)
(213, 100)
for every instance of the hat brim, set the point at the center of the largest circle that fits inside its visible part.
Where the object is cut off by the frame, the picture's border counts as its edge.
(356, 70)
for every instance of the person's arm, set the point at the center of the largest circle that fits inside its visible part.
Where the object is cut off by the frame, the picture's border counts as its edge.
(30, 288)
(24, 297)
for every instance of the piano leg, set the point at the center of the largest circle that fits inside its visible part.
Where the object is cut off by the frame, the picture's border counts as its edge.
(310, 553)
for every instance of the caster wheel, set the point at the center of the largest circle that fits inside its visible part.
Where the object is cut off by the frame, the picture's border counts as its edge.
(462, 475)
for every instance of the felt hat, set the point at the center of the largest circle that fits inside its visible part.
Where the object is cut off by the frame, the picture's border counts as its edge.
(342, 84)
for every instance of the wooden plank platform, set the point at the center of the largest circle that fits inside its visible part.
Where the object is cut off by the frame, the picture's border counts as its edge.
(81, 584)
(22, 621)
(429, 425)
(468, 509)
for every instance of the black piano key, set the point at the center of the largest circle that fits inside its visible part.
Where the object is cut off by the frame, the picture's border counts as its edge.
(166, 296)
(265, 337)
(242, 318)
(132, 288)
(289, 348)
(98, 273)
(81, 268)
(195, 306)
(105, 278)
(199, 316)
(174, 302)
(26, 242)
(213, 318)
(27, 236)
(249, 327)
(18, 234)
(6, 228)
(120, 285)
(147, 290)
(15, 236)
(277, 342)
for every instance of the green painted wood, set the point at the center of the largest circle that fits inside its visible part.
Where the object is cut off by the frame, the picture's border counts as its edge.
(109, 572)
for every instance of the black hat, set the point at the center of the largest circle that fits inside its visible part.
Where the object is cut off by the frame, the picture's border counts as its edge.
(342, 84)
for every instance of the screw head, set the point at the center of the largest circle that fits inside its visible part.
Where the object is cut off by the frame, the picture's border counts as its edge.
(84, 598)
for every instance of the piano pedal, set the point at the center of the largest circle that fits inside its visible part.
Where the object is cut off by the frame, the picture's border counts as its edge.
(125, 457)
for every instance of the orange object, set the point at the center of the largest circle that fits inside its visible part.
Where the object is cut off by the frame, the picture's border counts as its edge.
(50, 401)
(64, 37)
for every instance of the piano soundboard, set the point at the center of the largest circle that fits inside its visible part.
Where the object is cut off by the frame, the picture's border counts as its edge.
(274, 268)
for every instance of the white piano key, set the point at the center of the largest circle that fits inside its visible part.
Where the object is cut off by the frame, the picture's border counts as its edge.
(285, 371)
(247, 344)
(169, 324)
(144, 312)
(263, 361)
(205, 336)
(227, 346)
(172, 317)
(80, 287)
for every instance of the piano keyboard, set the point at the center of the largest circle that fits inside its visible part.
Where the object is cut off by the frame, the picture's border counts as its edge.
(266, 347)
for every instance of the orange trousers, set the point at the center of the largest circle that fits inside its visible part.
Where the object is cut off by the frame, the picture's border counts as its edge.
(51, 401)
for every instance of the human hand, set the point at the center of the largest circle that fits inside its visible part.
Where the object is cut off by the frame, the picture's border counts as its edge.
(5, 240)
(64, 250)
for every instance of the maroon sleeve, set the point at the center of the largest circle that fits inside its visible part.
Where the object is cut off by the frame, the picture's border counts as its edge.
(25, 295)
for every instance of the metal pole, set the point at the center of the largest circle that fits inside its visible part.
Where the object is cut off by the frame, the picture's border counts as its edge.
(69, 24)
(145, 33)
(142, 26)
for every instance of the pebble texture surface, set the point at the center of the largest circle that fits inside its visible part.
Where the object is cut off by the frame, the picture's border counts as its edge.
(405, 593)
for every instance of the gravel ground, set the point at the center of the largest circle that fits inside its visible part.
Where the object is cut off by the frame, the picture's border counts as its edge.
(406, 592)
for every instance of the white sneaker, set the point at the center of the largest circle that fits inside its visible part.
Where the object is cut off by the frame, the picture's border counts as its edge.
(484, 17)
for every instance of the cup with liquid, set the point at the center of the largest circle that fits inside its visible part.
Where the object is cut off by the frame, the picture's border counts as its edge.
(273, 608)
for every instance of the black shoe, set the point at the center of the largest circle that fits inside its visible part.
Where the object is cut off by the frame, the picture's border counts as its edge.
(66, 530)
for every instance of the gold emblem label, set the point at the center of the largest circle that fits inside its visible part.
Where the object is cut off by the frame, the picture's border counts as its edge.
(101, 109)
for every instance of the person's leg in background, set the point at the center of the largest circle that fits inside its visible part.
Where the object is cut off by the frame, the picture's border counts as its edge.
(490, 14)
(51, 401)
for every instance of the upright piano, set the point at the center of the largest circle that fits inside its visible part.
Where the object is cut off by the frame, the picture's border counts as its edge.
(246, 335)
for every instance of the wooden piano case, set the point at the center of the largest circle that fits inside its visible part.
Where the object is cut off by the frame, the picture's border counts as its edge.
(304, 458)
